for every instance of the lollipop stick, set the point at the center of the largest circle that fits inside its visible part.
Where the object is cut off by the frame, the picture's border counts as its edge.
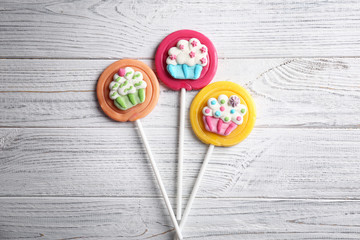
(180, 154)
(196, 187)
(158, 178)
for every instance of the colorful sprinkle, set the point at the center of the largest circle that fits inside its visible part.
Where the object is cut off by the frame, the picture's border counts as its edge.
(192, 54)
(137, 84)
(213, 102)
(203, 60)
(173, 57)
(207, 110)
(194, 43)
(232, 111)
(127, 74)
(234, 101)
(136, 76)
(222, 109)
(243, 110)
(122, 72)
(124, 83)
(181, 46)
(116, 85)
(203, 49)
(238, 118)
(128, 89)
(227, 119)
(222, 101)
(217, 113)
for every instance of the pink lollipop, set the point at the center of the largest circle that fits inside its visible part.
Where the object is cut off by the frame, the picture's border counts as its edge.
(185, 60)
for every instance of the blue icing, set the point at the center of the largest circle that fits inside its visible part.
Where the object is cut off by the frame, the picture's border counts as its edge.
(183, 71)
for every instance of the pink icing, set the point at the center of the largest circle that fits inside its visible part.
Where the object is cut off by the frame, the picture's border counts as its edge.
(230, 128)
(207, 110)
(173, 57)
(192, 54)
(222, 109)
(203, 49)
(194, 43)
(238, 118)
(203, 60)
(121, 72)
(218, 126)
(209, 123)
(181, 46)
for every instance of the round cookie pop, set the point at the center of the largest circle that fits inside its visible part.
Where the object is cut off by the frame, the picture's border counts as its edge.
(185, 60)
(221, 114)
(128, 90)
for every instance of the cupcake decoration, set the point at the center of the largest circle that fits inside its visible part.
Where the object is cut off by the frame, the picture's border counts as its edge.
(223, 115)
(187, 59)
(127, 88)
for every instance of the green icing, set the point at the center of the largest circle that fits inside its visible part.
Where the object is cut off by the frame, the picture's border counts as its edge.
(130, 100)
(114, 94)
(116, 85)
(222, 101)
(136, 75)
(142, 94)
(127, 74)
(226, 118)
(128, 89)
(120, 100)
(118, 79)
(137, 84)
(124, 83)
(243, 110)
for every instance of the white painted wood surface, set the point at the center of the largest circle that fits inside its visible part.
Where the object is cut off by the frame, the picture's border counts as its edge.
(297, 176)
(119, 29)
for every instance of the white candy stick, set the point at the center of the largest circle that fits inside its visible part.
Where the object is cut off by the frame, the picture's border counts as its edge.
(180, 154)
(158, 178)
(196, 187)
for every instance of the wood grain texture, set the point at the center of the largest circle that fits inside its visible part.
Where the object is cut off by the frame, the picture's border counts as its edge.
(214, 219)
(69, 172)
(133, 29)
(271, 163)
(287, 92)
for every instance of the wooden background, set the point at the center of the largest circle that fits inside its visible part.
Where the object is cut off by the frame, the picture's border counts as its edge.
(297, 176)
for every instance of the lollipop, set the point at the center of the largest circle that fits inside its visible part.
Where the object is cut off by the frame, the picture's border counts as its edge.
(128, 90)
(185, 60)
(222, 114)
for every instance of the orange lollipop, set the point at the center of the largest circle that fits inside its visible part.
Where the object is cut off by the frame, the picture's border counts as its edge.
(128, 90)
(129, 104)
(221, 114)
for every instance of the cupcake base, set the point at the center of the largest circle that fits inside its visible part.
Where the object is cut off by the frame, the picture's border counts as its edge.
(130, 100)
(218, 126)
(183, 71)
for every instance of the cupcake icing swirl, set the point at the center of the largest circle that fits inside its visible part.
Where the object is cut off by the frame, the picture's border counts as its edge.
(129, 82)
(190, 52)
(228, 109)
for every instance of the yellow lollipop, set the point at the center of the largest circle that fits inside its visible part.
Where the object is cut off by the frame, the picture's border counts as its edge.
(221, 114)
(222, 96)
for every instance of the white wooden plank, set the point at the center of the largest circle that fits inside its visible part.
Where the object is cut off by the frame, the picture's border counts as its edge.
(287, 92)
(271, 163)
(139, 218)
(98, 29)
